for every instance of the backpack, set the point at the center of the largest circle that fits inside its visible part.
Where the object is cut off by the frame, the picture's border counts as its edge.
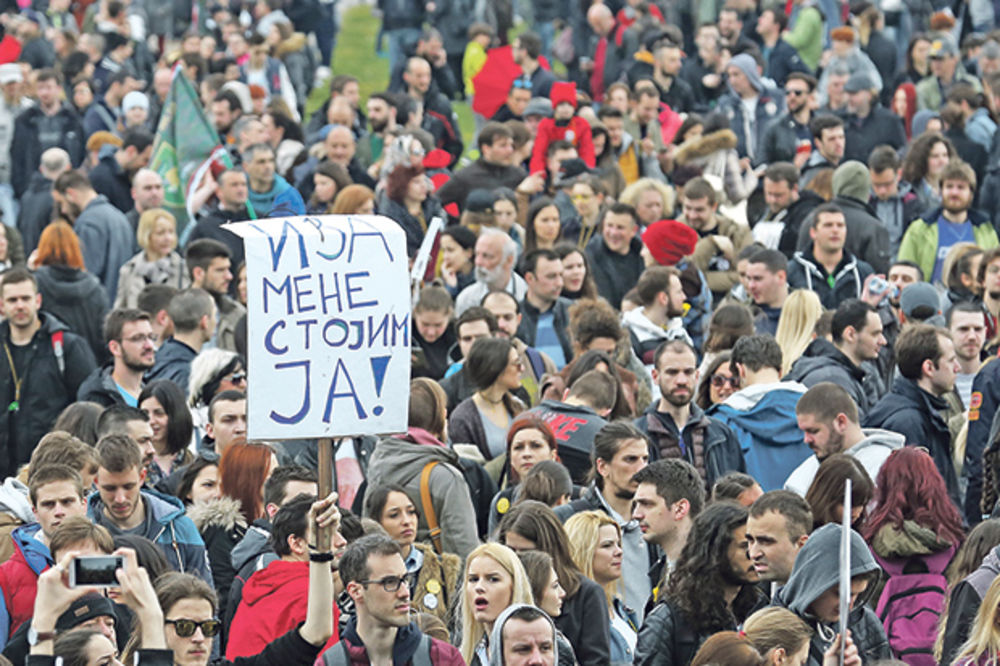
(339, 655)
(911, 604)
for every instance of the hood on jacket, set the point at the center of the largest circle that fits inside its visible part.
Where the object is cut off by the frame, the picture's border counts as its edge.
(640, 323)
(293, 44)
(496, 636)
(891, 542)
(73, 285)
(402, 457)
(702, 146)
(14, 500)
(748, 66)
(224, 512)
(164, 509)
(277, 576)
(746, 399)
(876, 438)
(851, 179)
(820, 354)
(256, 542)
(817, 568)
(28, 548)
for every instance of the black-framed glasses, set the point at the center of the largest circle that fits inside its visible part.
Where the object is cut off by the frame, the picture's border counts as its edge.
(719, 380)
(186, 628)
(796, 92)
(392, 583)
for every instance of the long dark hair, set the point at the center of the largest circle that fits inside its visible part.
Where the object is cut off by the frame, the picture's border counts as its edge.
(696, 585)
(909, 487)
(179, 422)
(703, 396)
(826, 493)
(190, 473)
(915, 163)
(589, 288)
(530, 236)
(588, 361)
(538, 523)
(487, 360)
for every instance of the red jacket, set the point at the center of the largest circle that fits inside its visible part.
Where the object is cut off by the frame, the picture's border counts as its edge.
(407, 643)
(19, 578)
(274, 601)
(577, 133)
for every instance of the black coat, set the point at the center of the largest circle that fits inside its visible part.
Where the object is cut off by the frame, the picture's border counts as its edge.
(111, 180)
(614, 274)
(78, 299)
(916, 414)
(45, 389)
(99, 387)
(783, 60)
(823, 362)
(880, 126)
(528, 328)
(867, 237)
(173, 362)
(584, 621)
(398, 213)
(667, 639)
(210, 226)
(479, 174)
(26, 148)
(36, 210)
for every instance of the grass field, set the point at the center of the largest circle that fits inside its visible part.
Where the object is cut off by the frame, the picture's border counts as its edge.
(355, 54)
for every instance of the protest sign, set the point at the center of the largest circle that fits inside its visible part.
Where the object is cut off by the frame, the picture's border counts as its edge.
(328, 336)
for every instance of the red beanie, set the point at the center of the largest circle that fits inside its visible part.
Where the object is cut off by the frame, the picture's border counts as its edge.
(563, 91)
(669, 241)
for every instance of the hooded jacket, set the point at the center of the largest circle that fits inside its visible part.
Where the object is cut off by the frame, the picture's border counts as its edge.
(99, 387)
(964, 603)
(645, 335)
(251, 554)
(45, 389)
(816, 571)
(871, 452)
(26, 145)
(706, 443)
(404, 649)
(763, 419)
(823, 362)
(770, 105)
(496, 635)
(401, 460)
(166, 526)
(846, 281)
(15, 510)
(281, 199)
(720, 274)
(916, 414)
(107, 241)
(715, 153)
(479, 174)
(173, 362)
(920, 242)
(77, 298)
(613, 273)
(221, 525)
(274, 602)
(880, 126)
(896, 213)
(19, 578)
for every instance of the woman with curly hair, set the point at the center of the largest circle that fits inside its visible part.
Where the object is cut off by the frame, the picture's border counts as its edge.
(710, 589)
(651, 199)
(927, 157)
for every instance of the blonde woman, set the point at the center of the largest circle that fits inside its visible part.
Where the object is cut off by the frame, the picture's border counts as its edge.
(799, 314)
(595, 541)
(652, 200)
(983, 646)
(494, 578)
(158, 263)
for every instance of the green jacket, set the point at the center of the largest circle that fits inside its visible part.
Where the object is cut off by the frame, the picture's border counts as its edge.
(929, 90)
(807, 36)
(920, 242)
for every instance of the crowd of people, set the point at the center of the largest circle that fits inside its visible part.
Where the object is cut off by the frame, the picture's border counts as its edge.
(699, 264)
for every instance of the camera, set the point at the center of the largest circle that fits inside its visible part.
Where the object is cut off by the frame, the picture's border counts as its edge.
(95, 570)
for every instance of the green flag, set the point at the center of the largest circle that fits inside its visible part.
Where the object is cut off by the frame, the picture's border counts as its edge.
(185, 148)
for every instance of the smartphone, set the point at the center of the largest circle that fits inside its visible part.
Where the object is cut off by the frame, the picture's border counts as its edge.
(95, 570)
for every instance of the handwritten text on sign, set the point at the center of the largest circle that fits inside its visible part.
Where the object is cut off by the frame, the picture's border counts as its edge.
(328, 327)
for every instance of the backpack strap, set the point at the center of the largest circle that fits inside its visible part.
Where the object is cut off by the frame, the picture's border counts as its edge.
(428, 507)
(57, 349)
(422, 657)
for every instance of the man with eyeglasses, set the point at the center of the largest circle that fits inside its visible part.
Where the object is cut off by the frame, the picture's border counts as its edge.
(275, 599)
(35, 385)
(677, 427)
(381, 632)
(789, 138)
(128, 334)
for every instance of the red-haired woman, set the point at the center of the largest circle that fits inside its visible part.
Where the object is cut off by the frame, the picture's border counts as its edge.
(530, 440)
(69, 292)
(915, 528)
(410, 202)
(222, 522)
(904, 105)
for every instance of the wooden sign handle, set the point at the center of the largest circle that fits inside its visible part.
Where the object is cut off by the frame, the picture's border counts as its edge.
(325, 463)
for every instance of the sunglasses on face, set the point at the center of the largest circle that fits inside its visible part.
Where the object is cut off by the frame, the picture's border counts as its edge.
(718, 381)
(186, 628)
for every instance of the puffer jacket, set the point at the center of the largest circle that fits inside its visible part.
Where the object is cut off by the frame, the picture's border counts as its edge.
(19, 579)
(823, 362)
(815, 572)
(719, 272)
(715, 154)
(222, 526)
(804, 272)
(401, 460)
(706, 443)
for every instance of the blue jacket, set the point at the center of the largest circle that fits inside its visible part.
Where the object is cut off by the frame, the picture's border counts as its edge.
(763, 418)
(173, 362)
(281, 199)
(19, 579)
(167, 527)
(983, 405)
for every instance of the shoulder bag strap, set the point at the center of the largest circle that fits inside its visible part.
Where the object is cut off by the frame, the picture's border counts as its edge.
(428, 507)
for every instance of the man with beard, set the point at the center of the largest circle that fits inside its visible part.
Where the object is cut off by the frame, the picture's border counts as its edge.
(42, 368)
(619, 452)
(669, 495)
(231, 190)
(828, 418)
(493, 168)
(662, 296)
(789, 139)
(106, 237)
(928, 239)
(527, 52)
(210, 268)
(496, 253)
(128, 334)
(112, 176)
(967, 324)
(856, 330)
(711, 589)
(677, 427)
(382, 109)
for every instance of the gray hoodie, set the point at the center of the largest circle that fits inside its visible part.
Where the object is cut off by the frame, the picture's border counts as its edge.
(870, 452)
(816, 570)
(496, 636)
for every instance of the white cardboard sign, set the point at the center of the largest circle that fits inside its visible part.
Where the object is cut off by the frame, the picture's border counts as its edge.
(328, 333)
